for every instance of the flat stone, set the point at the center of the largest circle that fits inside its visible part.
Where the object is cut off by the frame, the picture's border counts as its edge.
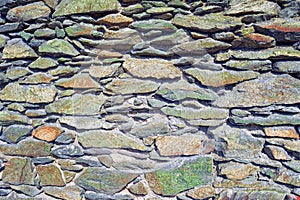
(78, 81)
(68, 192)
(282, 132)
(37, 78)
(3, 40)
(27, 189)
(255, 65)
(28, 147)
(18, 171)
(115, 20)
(28, 12)
(8, 27)
(43, 63)
(104, 181)
(159, 10)
(288, 177)
(96, 195)
(47, 132)
(28, 93)
(293, 164)
(168, 41)
(271, 120)
(214, 22)
(266, 90)
(291, 145)
(133, 9)
(50, 175)
(254, 41)
(152, 52)
(10, 118)
(68, 151)
(277, 153)
(44, 33)
(77, 105)
(58, 47)
(51, 3)
(104, 71)
(82, 122)
(151, 68)
(120, 34)
(220, 78)
(153, 24)
(81, 6)
(184, 145)
(110, 139)
(237, 171)
(190, 113)
(80, 30)
(202, 192)
(237, 143)
(131, 86)
(199, 47)
(15, 133)
(287, 67)
(138, 188)
(282, 29)
(266, 194)
(181, 176)
(64, 71)
(16, 48)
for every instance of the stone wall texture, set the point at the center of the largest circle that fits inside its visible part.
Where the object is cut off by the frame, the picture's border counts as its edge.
(150, 100)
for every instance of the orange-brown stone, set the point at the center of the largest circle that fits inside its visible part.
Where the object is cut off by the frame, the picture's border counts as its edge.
(115, 20)
(283, 132)
(47, 133)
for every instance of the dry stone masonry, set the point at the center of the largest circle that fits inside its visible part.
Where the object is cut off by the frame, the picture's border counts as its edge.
(150, 100)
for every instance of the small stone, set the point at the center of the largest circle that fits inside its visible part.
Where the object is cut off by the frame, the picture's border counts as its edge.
(28, 93)
(67, 151)
(115, 20)
(37, 78)
(14, 73)
(255, 65)
(104, 71)
(202, 192)
(58, 47)
(43, 63)
(104, 181)
(51, 3)
(82, 122)
(179, 145)
(288, 177)
(16, 107)
(153, 24)
(277, 153)
(181, 176)
(26, 189)
(81, 6)
(80, 30)
(151, 68)
(224, 36)
(16, 48)
(283, 132)
(131, 86)
(254, 41)
(15, 133)
(159, 10)
(8, 27)
(133, 9)
(10, 118)
(293, 164)
(50, 175)
(68, 192)
(28, 12)
(271, 120)
(78, 81)
(44, 33)
(19, 171)
(237, 171)
(3, 40)
(64, 71)
(138, 188)
(220, 78)
(207, 9)
(47, 132)
(287, 67)
(105, 160)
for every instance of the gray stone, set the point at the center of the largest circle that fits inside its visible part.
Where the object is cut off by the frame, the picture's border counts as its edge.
(44, 33)
(10, 27)
(277, 153)
(255, 65)
(288, 177)
(153, 24)
(11, 118)
(15, 133)
(3, 40)
(31, 191)
(68, 192)
(67, 151)
(287, 67)
(16, 48)
(236, 171)
(104, 71)
(78, 81)
(82, 122)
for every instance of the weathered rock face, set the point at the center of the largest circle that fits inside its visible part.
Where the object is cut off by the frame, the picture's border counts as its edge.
(16, 48)
(57, 47)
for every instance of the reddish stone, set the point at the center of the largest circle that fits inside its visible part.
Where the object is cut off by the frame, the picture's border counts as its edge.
(47, 133)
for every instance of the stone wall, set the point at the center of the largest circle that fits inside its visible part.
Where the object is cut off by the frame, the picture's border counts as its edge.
(139, 99)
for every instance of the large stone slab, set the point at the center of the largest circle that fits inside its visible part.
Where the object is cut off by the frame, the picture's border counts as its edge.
(266, 90)
(78, 81)
(287, 66)
(68, 7)
(58, 47)
(10, 118)
(50, 175)
(16, 48)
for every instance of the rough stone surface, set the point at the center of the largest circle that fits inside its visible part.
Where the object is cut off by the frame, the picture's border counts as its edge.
(57, 47)
(47, 133)
(16, 48)
(79, 81)
(237, 171)
(15, 133)
(50, 175)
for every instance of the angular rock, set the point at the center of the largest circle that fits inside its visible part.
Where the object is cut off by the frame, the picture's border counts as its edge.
(66, 7)
(282, 132)
(44, 33)
(254, 41)
(151, 68)
(255, 65)
(28, 93)
(153, 24)
(16, 48)
(214, 22)
(64, 71)
(47, 132)
(78, 81)
(277, 153)
(3, 40)
(288, 177)
(199, 47)
(110, 139)
(37, 78)
(77, 105)
(190, 113)
(291, 145)
(115, 20)
(237, 171)
(19, 171)
(133, 9)
(202, 192)
(287, 67)
(82, 122)
(68, 151)
(265, 194)
(27, 189)
(58, 47)
(50, 175)
(168, 41)
(28, 12)
(10, 118)
(10, 27)
(184, 145)
(68, 192)
(181, 176)
(121, 34)
(15, 133)
(104, 181)
(28, 147)
(220, 78)
(138, 188)
(254, 92)
(100, 71)
(131, 86)
(51, 3)
(43, 63)
(80, 30)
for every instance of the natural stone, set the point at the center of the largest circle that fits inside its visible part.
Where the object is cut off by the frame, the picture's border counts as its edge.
(27, 189)
(179, 145)
(82, 122)
(138, 188)
(10, 118)
(67, 151)
(110, 139)
(151, 68)
(28, 93)
(10, 27)
(77, 105)
(115, 20)
(236, 171)
(153, 24)
(159, 10)
(82, 6)
(16, 48)
(213, 22)
(277, 153)
(80, 30)
(266, 90)
(220, 78)
(16, 107)
(50, 175)
(293, 164)
(104, 181)
(68, 192)
(18, 171)
(131, 86)
(181, 176)
(282, 131)
(15, 133)
(287, 66)
(58, 47)
(51, 3)
(202, 192)
(47, 132)
(133, 9)
(266, 194)
(255, 65)
(28, 12)
(199, 47)
(43, 63)
(44, 33)
(64, 71)
(254, 41)
(190, 113)
(104, 71)
(78, 81)
(37, 78)
(3, 40)
(288, 177)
